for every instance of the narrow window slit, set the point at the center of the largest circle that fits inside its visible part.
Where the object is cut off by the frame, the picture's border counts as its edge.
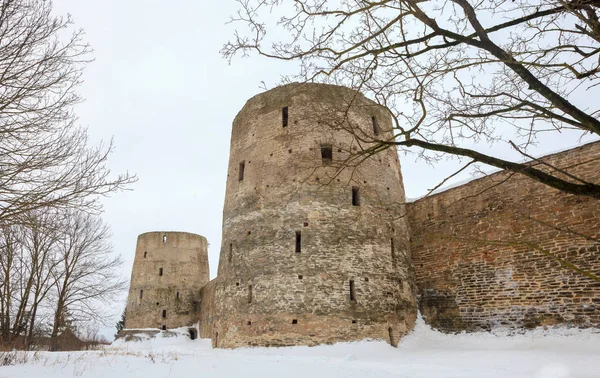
(230, 256)
(284, 116)
(241, 170)
(164, 313)
(145, 254)
(352, 291)
(249, 293)
(376, 129)
(298, 242)
(392, 249)
(160, 271)
(177, 295)
(326, 153)
(355, 196)
(164, 238)
(141, 294)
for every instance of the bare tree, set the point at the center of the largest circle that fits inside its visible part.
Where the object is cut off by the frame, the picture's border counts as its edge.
(45, 160)
(87, 275)
(8, 278)
(27, 260)
(42, 230)
(450, 73)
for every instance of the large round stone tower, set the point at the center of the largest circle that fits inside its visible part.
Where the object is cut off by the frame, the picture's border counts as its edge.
(169, 270)
(311, 254)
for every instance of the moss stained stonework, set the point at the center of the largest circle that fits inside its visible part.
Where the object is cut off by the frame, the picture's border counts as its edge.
(313, 254)
(496, 251)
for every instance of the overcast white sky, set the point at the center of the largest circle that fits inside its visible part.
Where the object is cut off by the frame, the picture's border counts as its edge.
(159, 87)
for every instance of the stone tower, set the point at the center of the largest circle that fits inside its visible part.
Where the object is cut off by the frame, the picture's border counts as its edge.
(169, 269)
(310, 254)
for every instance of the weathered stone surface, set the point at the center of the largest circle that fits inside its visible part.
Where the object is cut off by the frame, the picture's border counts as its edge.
(266, 292)
(493, 252)
(183, 259)
(485, 253)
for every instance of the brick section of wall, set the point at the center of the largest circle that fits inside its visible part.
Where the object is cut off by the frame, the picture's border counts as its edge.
(266, 292)
(183, 258)
(485, 253)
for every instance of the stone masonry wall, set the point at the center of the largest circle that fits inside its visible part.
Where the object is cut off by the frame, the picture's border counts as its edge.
(501, 251)
(207, 310)
(169, 269)
(349, 277)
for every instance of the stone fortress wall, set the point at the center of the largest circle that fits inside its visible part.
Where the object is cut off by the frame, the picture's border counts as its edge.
(310, 255)
(169, 269)
(496, 251)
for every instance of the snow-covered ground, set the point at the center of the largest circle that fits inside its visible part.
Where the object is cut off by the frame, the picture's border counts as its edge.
(554, 353)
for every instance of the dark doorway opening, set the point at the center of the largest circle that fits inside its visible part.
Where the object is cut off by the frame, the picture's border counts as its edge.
(193, 333)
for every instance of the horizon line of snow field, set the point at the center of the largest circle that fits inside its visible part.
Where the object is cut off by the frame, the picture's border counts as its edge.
(557, 352)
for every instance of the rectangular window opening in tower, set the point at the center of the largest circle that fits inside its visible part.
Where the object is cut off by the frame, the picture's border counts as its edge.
(164, 238)
(352, 291)
(141, 294)
(241, 171)
(160, 271)
(355, 196)
(230, 255)
(392, 249)
(164, 314)
(298, 242)
(145, 254)
(376, 129)
(249, 293)
(177, 295)
(284, 116)
(326, 153)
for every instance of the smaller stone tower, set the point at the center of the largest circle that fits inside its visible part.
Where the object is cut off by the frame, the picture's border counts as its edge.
(169, 270)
